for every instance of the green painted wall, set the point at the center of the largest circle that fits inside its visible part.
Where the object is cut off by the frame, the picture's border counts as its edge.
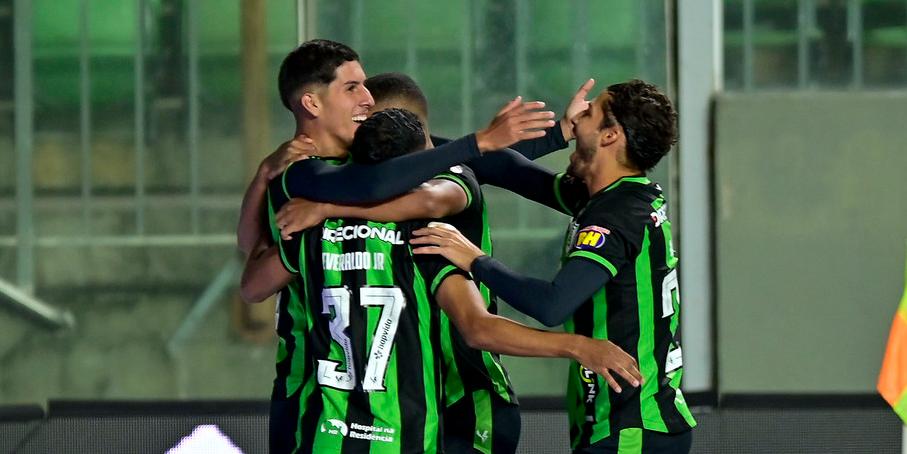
(811, 223)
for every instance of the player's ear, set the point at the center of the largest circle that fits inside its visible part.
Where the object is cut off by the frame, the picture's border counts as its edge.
(311, 103)
(609, 135)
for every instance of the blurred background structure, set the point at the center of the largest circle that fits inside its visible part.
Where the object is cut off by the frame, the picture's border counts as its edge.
(129, 129)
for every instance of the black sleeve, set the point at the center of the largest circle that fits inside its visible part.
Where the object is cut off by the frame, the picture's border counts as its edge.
(353, 183)
(551, 303)
(601, 238)
(552, 141)
(465, 177)
(509, 170)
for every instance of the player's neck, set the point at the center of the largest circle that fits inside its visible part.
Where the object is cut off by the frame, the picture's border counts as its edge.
(329, 146)
(606, 174)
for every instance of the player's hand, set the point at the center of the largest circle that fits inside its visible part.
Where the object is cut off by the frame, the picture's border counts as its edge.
(298, 215)
(578, 105)
(605, 358)
(301, 147)
(445, 239)
(515, 122)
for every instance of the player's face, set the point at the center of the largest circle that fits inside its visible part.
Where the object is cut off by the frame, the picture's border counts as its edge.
(587, 127)
(346, 102)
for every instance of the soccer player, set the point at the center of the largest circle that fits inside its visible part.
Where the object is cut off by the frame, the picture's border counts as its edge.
(391, 335)
(618, 280)
(481, 414)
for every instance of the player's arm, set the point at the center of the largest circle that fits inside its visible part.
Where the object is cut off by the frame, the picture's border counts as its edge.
(354, 183)
(511, 171)
(549, 302)
(463, 304)
(560, 134)
(264, 274)
(251, 226)
(433, 199)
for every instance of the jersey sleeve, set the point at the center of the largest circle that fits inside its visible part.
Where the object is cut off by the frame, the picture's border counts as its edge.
(289, 249)
(601, 238)
(466, 179)
(435, 268)
(570, 193)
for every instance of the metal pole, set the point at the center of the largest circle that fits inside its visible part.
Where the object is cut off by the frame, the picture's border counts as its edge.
(356, 24)
(24, 130)
(748, 18)
(192, 101)
(580, 54)
(85, 113)
(805, 23)
(522, 68)
(411, 55)
(466, 68)
(855, 34)
(140, 117)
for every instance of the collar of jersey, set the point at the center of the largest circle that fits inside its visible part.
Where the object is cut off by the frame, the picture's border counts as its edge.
(637, 179)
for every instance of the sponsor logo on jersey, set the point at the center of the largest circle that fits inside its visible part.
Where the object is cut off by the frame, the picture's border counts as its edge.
(588, 378)
(365, 232)
(358, 431)
(592, 237)
(334, 427)
(482, 436)
(660, 215)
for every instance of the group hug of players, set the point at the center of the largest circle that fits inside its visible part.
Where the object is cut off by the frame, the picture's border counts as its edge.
(374, 234)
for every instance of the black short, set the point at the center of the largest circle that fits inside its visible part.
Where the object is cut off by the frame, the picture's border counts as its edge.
(481, 422)
(640, 441)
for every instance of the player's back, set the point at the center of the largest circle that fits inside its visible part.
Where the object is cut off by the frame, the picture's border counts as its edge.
(373, 338)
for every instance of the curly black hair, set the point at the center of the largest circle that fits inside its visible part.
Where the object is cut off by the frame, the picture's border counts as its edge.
(314, 61)
(387, 134)
(648, 119)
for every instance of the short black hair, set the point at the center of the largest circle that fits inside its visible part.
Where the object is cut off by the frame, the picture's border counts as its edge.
(648, 119)
(387, 134)
(314, 61)
(398, 86)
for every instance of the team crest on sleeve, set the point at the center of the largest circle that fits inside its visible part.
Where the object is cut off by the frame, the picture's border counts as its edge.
(591, 237)
(456, 169)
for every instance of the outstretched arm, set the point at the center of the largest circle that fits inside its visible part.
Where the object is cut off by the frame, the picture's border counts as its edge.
(433, 199)
(463, 304)
(354, 183)
(549, 302)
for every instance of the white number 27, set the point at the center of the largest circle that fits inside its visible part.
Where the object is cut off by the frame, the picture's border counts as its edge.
(336, 304)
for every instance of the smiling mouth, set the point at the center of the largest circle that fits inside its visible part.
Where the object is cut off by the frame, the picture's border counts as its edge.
(359, 118)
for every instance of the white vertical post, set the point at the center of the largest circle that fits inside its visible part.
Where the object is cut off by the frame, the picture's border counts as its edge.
(24, 140)
(699, 78)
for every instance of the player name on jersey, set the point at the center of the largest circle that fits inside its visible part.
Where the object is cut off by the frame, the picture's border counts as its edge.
(364, 232)
(353, 261)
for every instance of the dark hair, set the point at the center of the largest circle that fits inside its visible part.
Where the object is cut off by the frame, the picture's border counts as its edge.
(648, 119)
(387, 134)
(313, 62)
(397, 86)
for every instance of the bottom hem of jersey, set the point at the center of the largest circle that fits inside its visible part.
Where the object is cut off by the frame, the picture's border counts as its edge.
(599, 437)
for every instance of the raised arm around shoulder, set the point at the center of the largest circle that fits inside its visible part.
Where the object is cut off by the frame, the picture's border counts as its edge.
(263, 275)
(354, 183)
(433, 199)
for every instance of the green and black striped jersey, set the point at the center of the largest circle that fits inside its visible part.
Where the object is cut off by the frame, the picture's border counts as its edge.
(467, 369)
(294, 384)
(374, 331)
(624, 228)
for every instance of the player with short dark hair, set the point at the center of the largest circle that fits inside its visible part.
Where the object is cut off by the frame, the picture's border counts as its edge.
(618, 280)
